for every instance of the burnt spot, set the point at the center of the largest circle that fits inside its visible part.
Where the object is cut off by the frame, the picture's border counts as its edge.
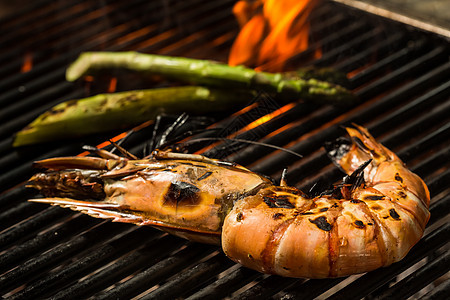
(370, 223)
(355, 201)
(204, 176)
(278, 202)
(277, 216)
(394, 214)
(306, 213)
(250, 256)
(398, 178)
(375, 207)
(322, 223)
(186, 163)
(239, 216)
(373, 197)
(385, 217)
(335, 205)
(323, 209)
(402, 194)
(182, 193)
(359, 224)
(287, 269)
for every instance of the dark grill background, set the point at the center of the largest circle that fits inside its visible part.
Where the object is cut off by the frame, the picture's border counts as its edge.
(401, 76)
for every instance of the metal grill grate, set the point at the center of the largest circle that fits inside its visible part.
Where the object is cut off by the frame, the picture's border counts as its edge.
(400, 74)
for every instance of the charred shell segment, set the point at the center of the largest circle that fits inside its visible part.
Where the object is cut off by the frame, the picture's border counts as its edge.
(357, 244)
(269, 252)
(388, 230)
(405, 199)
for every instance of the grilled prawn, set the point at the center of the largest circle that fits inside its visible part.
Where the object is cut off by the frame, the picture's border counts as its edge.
(370, 220)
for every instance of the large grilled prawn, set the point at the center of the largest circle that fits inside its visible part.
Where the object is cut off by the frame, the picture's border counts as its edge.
(370, 220)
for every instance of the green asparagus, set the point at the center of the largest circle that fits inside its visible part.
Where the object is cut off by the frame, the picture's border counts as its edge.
(105, 112)
(205, 72)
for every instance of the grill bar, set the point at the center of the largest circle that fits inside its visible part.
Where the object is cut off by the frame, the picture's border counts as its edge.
(83, 266)
(41, 242)
(152, 252)
(221, 287)
(23, 229)
(420, 278)
(183, 282)
(157, 272)
(439, 292)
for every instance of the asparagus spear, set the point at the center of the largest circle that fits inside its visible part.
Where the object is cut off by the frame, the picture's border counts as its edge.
(323, 74)
(106, 112)
(205, 72)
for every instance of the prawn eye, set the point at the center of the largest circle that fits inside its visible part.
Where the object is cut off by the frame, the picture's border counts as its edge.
(182, 193)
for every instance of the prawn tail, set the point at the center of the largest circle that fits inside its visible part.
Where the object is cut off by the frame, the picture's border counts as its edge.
(349, 154)
(368, 146)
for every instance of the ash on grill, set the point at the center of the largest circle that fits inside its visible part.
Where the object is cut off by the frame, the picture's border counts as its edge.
(400, 74)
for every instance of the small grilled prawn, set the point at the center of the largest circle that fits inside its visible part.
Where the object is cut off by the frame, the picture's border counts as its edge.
(370, 220)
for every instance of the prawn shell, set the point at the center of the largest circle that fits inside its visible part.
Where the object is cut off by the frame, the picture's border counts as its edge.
(406, 200)
(357, 245)
(252, 230)
(191, 196)
(395, 171)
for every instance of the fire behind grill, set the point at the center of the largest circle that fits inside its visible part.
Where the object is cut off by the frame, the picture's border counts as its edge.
(401, 76)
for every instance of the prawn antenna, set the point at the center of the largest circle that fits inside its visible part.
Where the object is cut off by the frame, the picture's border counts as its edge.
(122, 150)
(198, 140)
(177, 124)
(283, 181)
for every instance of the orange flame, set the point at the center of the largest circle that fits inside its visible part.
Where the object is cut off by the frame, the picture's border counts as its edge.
(27, 63)
(272, 31)
(112, 85)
